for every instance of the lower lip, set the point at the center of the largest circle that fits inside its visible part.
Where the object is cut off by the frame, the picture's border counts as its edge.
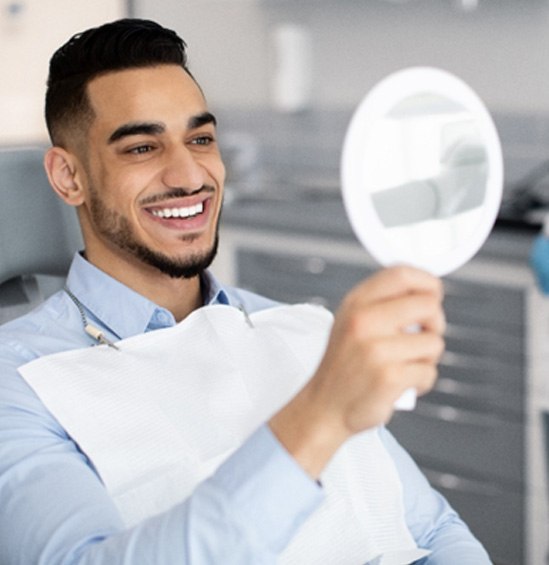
(195, 223)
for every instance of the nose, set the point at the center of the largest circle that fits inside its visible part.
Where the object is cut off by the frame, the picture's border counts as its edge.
(183, 170)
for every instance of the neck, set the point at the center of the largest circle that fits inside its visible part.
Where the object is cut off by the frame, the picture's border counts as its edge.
(178, 295)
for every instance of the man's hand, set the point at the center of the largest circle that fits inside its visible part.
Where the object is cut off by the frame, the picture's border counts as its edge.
(370, 360)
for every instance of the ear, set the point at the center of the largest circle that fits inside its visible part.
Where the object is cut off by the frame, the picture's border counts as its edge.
(62, 168)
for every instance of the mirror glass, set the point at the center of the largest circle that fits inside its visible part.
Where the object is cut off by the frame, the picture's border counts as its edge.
(422, 171)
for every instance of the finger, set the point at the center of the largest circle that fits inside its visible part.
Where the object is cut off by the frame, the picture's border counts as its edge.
(399, 314)
(390, 382)
(396, 281)
(421, 377)
(425, 347)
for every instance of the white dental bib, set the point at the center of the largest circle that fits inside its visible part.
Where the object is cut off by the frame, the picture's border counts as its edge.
(158, 416)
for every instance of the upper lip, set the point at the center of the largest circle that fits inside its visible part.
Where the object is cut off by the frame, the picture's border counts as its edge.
(178, 200)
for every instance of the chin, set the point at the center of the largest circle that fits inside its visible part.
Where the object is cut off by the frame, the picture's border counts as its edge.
(185, 267)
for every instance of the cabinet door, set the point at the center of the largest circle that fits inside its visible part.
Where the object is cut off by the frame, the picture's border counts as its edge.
(467, 434)
(495, 514)
(295, 278)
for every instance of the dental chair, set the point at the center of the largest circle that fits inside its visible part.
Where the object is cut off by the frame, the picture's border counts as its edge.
(39, 234)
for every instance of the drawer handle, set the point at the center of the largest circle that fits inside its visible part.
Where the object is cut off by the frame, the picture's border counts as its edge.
(455, 360)
(450, 414)
(456, 388)
(452, 386)
(451, 482)
(468, 361)
(315, 265)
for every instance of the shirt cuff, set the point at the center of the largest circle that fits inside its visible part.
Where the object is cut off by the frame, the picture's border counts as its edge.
(268, 489)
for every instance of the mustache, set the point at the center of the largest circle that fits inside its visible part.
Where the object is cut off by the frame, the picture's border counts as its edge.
(173, 193)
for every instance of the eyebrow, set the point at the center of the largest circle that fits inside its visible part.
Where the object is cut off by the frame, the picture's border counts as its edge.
(157, 128)
(202, 120)
(138, 128)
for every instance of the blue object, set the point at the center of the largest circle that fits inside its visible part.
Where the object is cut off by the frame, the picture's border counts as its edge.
(539, 261)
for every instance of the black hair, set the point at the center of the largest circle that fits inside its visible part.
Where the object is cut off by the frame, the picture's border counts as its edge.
(122, 44)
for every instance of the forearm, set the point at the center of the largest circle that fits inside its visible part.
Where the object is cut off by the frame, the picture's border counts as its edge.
(244, 513)
(308, 433)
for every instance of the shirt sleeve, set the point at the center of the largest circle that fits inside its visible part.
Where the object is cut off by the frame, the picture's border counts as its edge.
(54, 508)
(433, 523)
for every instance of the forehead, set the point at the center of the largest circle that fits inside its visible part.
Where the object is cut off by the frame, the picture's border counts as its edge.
(164, 93)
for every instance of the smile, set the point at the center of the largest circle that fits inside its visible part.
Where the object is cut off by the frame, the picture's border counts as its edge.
(182, 212)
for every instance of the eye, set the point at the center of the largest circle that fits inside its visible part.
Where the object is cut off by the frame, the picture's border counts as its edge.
(140, 149)
(203, 140)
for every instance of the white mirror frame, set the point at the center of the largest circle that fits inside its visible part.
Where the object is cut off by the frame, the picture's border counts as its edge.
(358, 202)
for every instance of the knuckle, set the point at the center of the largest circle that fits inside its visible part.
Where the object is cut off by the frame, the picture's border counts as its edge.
(358, 321)
(433, 303)
(440, 346)
(439, 288)
(349, 304)
(435, 346)
(442, 322)
(401, 274)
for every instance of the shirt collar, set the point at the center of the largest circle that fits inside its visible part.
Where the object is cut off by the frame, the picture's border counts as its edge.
(120, 309)
(212, 290)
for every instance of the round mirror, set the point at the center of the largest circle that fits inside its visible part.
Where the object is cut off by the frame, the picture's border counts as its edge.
(422, 171)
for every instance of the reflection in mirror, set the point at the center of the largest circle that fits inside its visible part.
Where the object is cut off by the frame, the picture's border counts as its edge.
(428, 168)
(422, 171)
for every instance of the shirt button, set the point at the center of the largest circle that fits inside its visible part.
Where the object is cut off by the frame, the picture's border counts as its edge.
(162, 317)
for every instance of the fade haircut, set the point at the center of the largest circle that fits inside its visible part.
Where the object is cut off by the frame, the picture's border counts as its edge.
(122, 44)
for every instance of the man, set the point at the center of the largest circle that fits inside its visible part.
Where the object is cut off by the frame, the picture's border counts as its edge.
(134, 150)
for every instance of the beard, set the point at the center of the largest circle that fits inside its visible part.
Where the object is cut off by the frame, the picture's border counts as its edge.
(116, 229)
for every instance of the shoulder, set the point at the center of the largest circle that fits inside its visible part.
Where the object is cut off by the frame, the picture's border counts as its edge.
(51, 327)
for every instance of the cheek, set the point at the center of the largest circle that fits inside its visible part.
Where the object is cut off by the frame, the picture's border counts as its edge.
(216, 169)
(118, 190)
(222, 173)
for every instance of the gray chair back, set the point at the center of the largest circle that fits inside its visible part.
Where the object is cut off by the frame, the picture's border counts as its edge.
(39, 234)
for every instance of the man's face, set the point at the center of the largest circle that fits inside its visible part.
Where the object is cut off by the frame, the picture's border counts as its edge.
(153, 173)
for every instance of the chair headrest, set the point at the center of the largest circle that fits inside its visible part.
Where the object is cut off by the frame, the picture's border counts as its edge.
(39, 234)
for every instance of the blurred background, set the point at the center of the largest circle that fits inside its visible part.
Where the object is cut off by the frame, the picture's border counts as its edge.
(284, 78)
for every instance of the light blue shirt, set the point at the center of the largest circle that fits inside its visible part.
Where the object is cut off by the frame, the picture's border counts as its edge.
(55, 510)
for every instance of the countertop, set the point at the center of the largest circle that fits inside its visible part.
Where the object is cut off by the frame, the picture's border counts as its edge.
(323, 215)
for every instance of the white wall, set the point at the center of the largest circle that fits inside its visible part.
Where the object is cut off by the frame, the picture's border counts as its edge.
(30, 31)
(228, 48)
(501, 49)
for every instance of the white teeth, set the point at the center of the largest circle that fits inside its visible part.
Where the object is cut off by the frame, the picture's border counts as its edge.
(187, 212)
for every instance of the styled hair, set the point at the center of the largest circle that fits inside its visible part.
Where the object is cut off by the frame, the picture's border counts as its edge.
(122, 44)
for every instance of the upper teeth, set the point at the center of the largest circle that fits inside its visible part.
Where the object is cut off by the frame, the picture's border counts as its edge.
(185, 212)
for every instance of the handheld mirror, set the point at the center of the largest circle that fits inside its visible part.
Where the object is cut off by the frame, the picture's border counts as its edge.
(422, 173)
